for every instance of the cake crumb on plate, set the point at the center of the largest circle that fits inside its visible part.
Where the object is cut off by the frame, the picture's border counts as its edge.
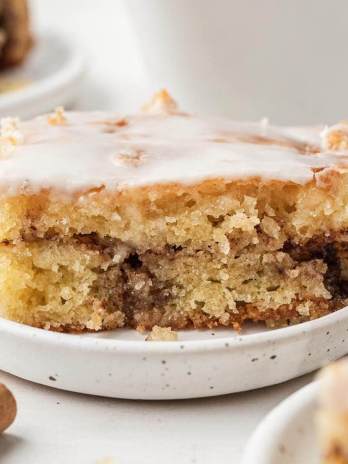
(162, 334)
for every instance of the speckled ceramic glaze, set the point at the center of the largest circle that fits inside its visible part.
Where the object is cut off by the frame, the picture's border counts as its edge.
(122, 364)
(287, 435)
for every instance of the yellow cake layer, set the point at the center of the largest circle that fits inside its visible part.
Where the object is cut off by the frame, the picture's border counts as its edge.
(212, 254)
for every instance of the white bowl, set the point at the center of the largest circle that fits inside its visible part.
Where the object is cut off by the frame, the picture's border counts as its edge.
(247, 59)
(121, 364)
(287, 435)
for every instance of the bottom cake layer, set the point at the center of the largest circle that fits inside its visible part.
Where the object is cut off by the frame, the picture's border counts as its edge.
(93, 283)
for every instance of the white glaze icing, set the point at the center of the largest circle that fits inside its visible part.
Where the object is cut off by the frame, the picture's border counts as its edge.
(93, 149)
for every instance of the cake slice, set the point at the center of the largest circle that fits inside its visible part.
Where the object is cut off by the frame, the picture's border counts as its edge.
(167, 219)
(332, 417)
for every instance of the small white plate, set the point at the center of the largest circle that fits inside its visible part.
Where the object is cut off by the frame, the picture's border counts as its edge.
(287, 435)
(52, 75)
(121, 364)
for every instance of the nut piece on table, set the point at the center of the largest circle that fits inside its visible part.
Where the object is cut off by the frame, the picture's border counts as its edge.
(8, 408)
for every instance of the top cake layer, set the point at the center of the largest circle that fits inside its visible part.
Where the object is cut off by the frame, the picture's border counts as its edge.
(77, 151)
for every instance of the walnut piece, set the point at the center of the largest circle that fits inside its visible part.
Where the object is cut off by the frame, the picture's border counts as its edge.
(161, 102)
(10, 136)
(10, 131)
(8, 408)
(57, 118)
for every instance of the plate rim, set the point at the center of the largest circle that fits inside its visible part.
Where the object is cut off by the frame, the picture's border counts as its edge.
(79, 341)
(262, 439)
(73, 69)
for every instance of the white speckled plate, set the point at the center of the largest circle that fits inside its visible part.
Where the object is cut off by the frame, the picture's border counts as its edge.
(287, 435)
(201, 363)
(51, 76)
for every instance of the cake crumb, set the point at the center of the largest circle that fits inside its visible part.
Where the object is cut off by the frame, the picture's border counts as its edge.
(269, 210)
(303, 309)
(162, 334)
(115, 217)
(57, 118)
(161, 102)
(270, 227)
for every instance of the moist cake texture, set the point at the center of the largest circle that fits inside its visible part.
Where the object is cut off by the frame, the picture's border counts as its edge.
(167, 219)
(332, 416)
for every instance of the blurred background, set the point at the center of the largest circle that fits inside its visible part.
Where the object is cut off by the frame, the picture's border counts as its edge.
(286, 60)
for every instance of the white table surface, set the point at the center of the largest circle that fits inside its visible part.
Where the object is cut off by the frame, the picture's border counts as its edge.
(60, 427)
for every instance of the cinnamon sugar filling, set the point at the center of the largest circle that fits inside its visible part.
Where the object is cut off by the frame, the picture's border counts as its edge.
(145, 299)
(101, 282)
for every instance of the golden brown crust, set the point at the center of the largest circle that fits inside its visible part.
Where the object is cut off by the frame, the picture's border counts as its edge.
(145, 320)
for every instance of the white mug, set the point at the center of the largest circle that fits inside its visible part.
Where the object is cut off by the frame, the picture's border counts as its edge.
(282, 59)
